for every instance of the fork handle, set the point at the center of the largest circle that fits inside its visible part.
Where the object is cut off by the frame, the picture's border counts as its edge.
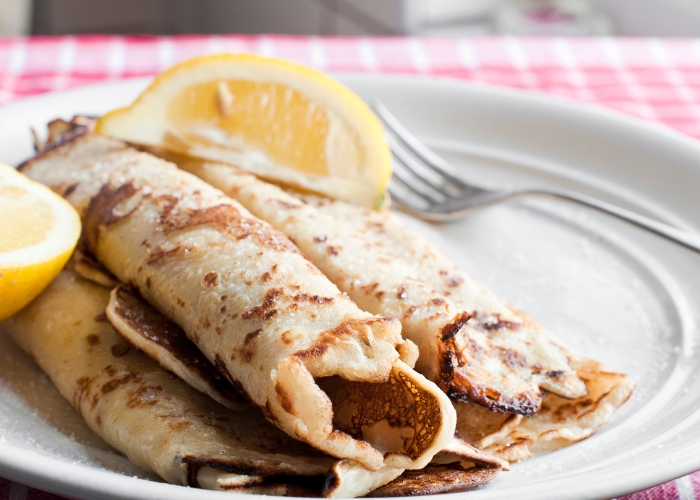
(680, 236)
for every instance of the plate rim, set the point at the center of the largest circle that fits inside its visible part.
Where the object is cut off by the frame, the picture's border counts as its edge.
(58, 475)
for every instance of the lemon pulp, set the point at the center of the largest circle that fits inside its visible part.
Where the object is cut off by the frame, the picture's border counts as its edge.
(281, 121)
(26, 220)
(38, 232)
(275, 119)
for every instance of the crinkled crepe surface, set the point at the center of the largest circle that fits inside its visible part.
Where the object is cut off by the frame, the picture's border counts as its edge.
(164, 425)
(560, 422)
(157, 420)
(473, 344)
(164, 341)
(500, 358)
(253, 304)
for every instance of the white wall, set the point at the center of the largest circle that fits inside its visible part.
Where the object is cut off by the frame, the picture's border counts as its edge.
(324, 17)
(653, 17)
(15, 17)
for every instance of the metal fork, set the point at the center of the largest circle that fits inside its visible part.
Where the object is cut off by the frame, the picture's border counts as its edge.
(438, 193)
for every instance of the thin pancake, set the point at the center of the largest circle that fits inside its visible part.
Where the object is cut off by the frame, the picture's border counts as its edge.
(157, 420)
(559, 422)
(165, 342)
(261, 312)
(443, 478)
(526, 348)
(162, 424)
(500, 358)
(138, 321)
(459, 467)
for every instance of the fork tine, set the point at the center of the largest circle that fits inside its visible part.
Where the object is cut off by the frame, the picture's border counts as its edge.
(415, 183)
(421, 171)
(415, 146)
(405, 199)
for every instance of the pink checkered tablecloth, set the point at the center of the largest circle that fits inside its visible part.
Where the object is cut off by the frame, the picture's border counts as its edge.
(652, 79)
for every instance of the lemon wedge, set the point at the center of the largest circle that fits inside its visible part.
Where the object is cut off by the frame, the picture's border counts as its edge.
(281, 121)
(38, 232)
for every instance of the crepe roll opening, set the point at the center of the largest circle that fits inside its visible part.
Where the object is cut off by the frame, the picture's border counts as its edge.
(260, 312)
(399, 418)
(403, 418)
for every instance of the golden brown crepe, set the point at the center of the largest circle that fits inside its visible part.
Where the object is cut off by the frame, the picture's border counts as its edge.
(473, 344)
(435, 479)
(559, 422)
(530, 357)
(165, 342)
(158, 421)
(267, 318)
(166, 427)
(563, 417)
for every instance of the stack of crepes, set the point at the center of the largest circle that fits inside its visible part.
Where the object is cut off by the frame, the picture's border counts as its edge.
(496, 363)
(301, 331)
(306, 393)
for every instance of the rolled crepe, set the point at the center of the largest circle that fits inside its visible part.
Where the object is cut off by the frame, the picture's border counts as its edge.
(460, 464)
(560, 422)
(165, 342)
(166, 427)
(566, 413)
(263, 314)
(159, 422)
(436, 479)
(474, 345)
(529, 357)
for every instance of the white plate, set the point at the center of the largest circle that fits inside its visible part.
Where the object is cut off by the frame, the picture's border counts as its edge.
(610, 291)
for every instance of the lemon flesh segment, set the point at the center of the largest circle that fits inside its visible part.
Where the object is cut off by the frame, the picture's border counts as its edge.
(283, 122)
(38, 232)
(267, 118)
(26, 221)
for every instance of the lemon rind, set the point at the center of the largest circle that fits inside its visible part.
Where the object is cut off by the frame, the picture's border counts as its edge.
(134, 123)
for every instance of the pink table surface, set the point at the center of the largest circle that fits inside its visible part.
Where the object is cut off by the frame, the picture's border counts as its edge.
(652, 79)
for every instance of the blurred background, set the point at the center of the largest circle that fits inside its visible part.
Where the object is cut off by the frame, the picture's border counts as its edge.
(353, 17)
